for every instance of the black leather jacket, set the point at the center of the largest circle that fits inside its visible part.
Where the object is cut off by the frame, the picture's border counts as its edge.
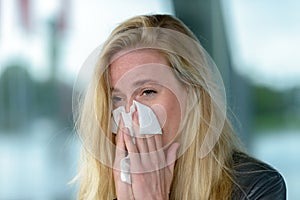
(256, 180)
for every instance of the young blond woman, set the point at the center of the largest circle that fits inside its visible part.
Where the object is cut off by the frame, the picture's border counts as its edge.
(154, 64)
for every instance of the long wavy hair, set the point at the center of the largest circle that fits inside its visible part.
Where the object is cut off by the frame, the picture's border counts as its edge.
(209, 176)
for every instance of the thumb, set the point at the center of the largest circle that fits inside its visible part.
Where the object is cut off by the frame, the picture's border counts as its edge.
(171, 156)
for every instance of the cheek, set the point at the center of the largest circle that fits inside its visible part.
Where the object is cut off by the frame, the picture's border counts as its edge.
(169, 117)
(173, 118)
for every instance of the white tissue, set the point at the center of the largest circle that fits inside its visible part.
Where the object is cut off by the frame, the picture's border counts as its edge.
(125, 170)
(148, 124)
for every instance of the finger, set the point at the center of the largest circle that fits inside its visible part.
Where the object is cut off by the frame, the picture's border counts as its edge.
(142, 146)
(155, 154)
(120, 151)
(128, 141)
(141, 143)
(136, 125)
(159, 148)
(123, 190)
(171, 156)
(119, 138)
(158, 141)
(158, 156)
(151, 143)
(135, 160)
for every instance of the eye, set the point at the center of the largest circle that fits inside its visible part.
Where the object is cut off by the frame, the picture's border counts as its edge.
(117, 100)
(148, 92)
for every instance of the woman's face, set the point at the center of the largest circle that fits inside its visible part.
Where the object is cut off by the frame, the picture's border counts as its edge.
(146, 77)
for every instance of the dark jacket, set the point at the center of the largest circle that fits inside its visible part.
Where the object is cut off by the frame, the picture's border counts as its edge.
(256, 180)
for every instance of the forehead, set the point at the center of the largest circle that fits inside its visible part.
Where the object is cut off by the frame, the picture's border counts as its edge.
(135, 59)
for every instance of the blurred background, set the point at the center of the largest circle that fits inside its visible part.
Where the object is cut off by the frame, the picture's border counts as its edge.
(44, 43)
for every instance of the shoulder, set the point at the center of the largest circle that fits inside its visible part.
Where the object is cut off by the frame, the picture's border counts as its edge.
(256, 180)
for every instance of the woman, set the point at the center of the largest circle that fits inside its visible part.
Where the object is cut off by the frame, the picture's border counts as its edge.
(153, 122)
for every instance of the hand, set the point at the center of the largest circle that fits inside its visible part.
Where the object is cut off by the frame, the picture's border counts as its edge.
(151, 168)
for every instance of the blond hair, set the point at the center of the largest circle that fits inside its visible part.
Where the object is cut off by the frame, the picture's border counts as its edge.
(195, 177)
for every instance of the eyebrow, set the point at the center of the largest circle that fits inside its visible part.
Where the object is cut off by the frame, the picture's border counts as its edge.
(137, 84)
(142, 82)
